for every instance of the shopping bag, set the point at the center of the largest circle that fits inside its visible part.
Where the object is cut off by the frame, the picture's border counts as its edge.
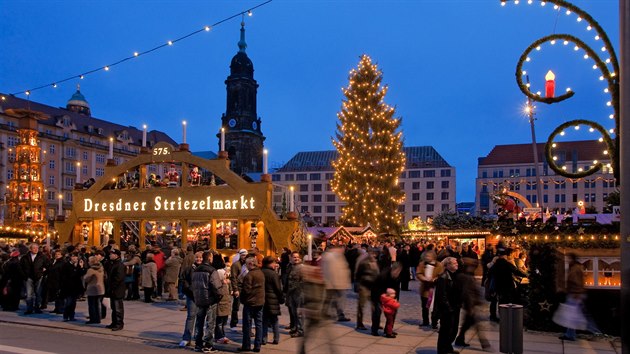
(570, 316)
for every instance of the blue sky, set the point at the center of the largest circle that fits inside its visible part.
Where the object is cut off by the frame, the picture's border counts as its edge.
(449, 65)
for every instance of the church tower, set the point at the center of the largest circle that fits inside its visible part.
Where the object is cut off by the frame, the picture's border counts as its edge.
(243, 134)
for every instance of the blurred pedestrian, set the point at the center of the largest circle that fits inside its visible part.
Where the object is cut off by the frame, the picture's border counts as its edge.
(337, 278)
(12, 281)
(274, 297)
(427, 273)
(365, 276)
(171, 274)
(471, 303)
(448, 303)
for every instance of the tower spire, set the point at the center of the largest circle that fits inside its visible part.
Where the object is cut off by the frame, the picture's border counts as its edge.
(241, 43)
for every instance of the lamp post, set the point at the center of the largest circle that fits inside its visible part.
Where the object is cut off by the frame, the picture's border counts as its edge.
(624, 173)
(529, 109)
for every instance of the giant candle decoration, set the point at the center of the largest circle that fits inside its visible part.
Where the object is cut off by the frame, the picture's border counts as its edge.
(60, 205)
(144, 135)
(184, 132)
(265, 154)
(291, 202)
(550, 84)
(78, 172)
(111, 148)
(222, 139)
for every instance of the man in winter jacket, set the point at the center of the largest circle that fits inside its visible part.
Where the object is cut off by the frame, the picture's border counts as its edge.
(235, 275)
(116, 289)
(294, 295)
(33, 265)
(253, 299)
(206, 285)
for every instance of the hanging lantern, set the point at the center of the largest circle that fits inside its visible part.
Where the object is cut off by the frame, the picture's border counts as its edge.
(550, 84)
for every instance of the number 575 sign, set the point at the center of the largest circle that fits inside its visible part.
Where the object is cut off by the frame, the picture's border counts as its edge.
(162, 151)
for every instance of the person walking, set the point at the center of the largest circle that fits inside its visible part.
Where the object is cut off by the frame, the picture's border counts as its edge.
(116, 280)
(191, 308)
(224, 307)
(149, 278)
(294, 295)
(33, 265)
(448, 303)
(253, 298)
(274, 297)
(427, 273)
(472, 302)
(337, 277)
(365, 276)
(94, 281)
(206, 287)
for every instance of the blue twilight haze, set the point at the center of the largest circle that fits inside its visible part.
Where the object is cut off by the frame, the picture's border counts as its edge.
(449, 65)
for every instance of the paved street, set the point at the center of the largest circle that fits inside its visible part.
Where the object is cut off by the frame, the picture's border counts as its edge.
(159, 325)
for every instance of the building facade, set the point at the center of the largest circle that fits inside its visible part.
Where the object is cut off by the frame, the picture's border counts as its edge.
(243, 135)
(69, 139)
(513, 166)
(428, 182)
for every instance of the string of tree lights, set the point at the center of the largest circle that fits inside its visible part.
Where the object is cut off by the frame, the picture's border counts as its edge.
(370, 152)
(609, 69)
(137, 54)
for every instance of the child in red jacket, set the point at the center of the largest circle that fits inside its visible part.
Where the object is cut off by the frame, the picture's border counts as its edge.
(390, 308)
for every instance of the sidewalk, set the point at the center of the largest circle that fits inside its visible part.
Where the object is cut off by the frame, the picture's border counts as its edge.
(161, 324)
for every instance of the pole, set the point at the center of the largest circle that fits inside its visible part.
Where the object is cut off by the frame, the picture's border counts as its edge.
(624, 173)
(538, 184)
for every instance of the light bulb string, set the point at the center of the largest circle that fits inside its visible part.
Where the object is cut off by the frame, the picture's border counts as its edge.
(139, 54)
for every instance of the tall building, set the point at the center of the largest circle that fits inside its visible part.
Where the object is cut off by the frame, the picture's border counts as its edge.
(243, 134)
(67, 138)
(513, 165)
(428, 182)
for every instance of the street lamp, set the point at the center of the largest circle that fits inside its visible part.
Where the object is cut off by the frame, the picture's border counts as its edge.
(529, 110)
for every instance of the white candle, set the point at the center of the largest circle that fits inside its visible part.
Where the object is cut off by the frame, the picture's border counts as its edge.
(60, 205)
(111, 148)
(184, 132)
(222, 139)
(144, 135)
(48, 240)
(310, 247)
(78, 172)
(265, 154)
(291, 202)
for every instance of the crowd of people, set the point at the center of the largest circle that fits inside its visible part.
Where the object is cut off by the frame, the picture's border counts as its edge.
(217, 290)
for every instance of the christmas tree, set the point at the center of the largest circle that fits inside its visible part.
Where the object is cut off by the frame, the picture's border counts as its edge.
(370, 152)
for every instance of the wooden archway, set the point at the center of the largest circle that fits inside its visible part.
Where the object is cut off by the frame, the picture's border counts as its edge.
(247, 202)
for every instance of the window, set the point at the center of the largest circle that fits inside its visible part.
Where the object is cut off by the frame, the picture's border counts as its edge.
(401, 208)
(415, 196)
(317, 198)
(51, 180)
(329, 176)
(317, 209)
(300, 177)
(330, 197)
(304, 198)
(444, 195)
(515, 172)
(71, 152)
(100, 158)
(446, 184)
(545, 199)
(315, 176)
(430, 184)
(85, 155)
(51, 164)
(275, 178)
(84, 169)
(328, 187)
(429, 173)
(303, 187)
(593, 198)
(13, 141)
(587, 197)
(429, 196)
(574, 198)
(415, 185)
(484, 174)
(100, 172)
(575, 185)
(403, 175)
(68, 197)
(317, 187)
(50, 195)
(9, 174)
(445, 173)
(70, 167)
(69, 182)
(430, 207)
(415, 174)
(51, 149)
(289, 177)
(415, 208)
(445, 207)
(330, 209)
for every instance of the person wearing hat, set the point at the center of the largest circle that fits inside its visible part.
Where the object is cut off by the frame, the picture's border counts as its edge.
(235, 274)
(12, 281)
(116, 289)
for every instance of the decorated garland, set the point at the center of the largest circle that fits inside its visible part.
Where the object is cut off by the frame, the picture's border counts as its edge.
(610, 76)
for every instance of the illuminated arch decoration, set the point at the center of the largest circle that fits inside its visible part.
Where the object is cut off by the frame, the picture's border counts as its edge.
(609, 69)
(247, 202)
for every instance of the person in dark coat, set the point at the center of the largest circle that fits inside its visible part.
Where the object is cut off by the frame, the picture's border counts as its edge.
(206, 287)
(116, 290)
(448, 303)
(273, 298)
(71, 285)
(54, 281)
(504, 273)
(33, 266)
(12, 279)
(405, 260)
(253, 299)
(415, 256)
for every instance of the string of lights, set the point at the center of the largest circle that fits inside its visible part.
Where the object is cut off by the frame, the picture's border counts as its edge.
(548, 182)
(137, 54)
(609, 69)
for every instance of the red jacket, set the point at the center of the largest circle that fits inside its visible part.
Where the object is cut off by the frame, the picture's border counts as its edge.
(390, 305)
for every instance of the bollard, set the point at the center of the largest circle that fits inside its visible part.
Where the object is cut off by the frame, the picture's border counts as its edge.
(511, 329)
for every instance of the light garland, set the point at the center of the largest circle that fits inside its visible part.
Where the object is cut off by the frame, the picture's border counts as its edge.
(608, 68)
(136, 54)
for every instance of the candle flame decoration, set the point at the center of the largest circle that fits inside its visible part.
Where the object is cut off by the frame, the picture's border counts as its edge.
(550, 84)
